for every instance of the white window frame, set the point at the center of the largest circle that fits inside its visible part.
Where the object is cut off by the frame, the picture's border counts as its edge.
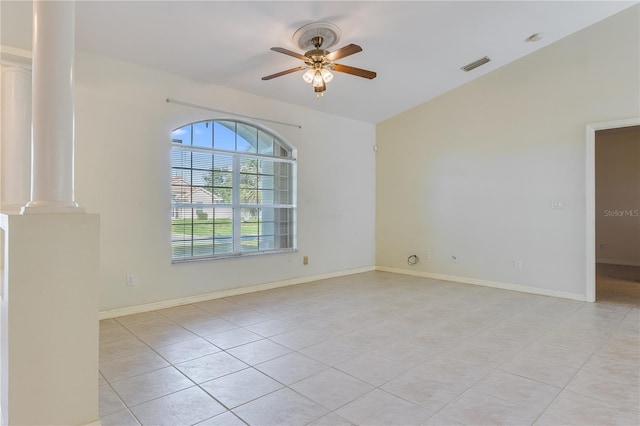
(236, 206)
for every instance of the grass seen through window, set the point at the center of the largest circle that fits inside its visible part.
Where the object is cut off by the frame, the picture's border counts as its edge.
(203, 227)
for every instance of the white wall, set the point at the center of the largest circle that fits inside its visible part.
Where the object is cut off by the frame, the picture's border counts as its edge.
(123, 127)
(473, 172)
(617, 168)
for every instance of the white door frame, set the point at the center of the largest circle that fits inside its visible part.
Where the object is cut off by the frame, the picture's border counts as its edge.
(590, 253)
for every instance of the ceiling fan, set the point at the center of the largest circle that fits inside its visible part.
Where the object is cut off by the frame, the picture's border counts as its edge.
(319, 62)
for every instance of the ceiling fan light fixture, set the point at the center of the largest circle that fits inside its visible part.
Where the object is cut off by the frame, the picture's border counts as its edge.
(318, 81)
(327, 76)
(308, 75)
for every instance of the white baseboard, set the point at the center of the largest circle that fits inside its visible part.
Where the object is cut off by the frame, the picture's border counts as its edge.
(619, 262)
(130, 310)
(113, 313)
(485, 283)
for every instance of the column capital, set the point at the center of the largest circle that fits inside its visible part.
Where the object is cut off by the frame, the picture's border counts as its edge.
(6, 67)
(12, 56)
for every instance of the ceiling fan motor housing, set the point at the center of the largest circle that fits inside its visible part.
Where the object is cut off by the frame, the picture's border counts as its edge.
(318, 56)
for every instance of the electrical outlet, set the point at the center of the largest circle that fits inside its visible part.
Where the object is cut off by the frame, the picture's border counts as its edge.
(305, 260)
(600, 246)
(131, 280)
(454, 258)
(518, 265)
(426, 255)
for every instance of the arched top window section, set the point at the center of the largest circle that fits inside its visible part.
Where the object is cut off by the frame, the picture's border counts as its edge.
(233, 135)
(232, 191)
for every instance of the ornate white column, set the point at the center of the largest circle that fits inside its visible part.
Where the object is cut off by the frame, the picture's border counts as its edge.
(52, 172)
(16, 137)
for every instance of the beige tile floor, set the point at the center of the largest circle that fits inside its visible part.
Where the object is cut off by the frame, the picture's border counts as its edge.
(374, 349)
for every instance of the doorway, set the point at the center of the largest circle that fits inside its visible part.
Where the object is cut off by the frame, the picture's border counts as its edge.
(613, 212)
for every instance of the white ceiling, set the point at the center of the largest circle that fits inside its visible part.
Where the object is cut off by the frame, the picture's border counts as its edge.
(416, 47)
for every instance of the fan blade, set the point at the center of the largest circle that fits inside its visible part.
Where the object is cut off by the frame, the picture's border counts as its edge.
(281, 73)
(354, 71)
(290, 53)
(349, 49)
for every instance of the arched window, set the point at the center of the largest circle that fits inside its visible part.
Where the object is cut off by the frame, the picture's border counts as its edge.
(232, 191)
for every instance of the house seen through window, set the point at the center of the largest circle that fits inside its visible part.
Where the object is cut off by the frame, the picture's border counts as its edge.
(232, 190)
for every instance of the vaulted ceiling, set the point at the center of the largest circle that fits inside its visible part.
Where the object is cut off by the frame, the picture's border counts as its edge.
(416, 47)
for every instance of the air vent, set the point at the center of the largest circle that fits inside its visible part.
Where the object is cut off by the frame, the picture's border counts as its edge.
(475, 64)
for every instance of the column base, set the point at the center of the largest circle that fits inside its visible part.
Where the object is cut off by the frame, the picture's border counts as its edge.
(52, 207)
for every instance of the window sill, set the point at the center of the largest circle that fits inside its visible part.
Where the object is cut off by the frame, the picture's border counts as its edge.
(232, 256)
